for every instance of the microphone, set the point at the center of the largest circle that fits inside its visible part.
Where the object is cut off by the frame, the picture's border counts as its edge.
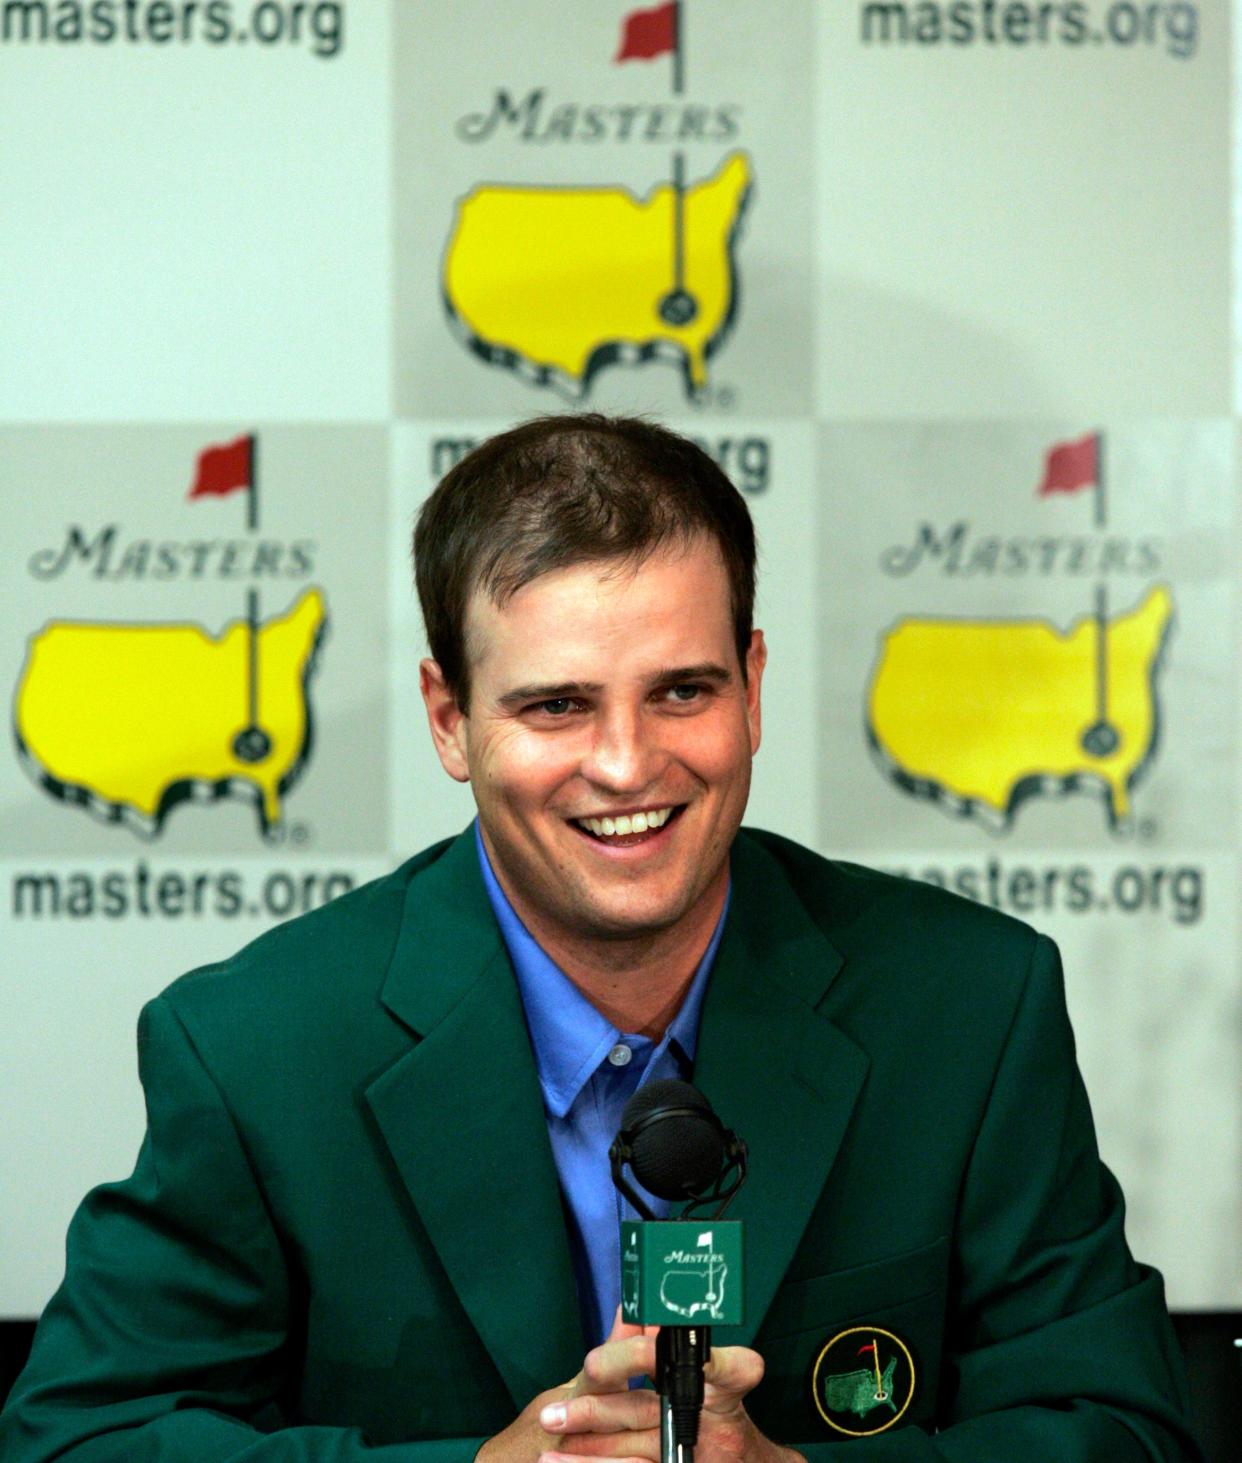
(675, 1273)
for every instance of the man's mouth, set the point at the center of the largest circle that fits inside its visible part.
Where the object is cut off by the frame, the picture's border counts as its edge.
(628, 827)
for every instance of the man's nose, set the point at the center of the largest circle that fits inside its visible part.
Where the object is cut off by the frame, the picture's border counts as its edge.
(625, 754)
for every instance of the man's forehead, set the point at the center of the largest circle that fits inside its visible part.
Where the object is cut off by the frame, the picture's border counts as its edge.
(566, 611)
(496, 597)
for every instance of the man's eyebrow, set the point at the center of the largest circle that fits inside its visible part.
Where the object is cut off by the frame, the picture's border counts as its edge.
(550, 692)
(707, 670)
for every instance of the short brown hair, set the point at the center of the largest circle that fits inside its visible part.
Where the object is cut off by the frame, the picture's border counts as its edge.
(563, 490)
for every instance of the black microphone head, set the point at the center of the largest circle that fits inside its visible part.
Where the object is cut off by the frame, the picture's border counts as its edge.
(678, 1150)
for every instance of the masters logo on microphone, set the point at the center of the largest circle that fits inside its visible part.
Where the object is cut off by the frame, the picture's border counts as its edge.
(686, 1271)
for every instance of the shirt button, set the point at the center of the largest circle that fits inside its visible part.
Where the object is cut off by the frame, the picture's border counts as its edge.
(620, 1055)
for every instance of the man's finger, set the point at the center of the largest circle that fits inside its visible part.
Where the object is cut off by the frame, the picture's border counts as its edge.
(652, 1457)
(613, 1445)
(731, 1372)
(609, 1367)
(621, 1328)
(609, 1412)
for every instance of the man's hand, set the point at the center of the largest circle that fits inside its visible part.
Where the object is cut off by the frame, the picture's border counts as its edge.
(594, 1414)
(726, 1432)
(597, 1415)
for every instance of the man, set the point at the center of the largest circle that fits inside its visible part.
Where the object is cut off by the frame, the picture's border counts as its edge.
(372, 1216)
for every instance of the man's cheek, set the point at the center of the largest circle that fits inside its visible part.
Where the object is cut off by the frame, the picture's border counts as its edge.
(536, 767)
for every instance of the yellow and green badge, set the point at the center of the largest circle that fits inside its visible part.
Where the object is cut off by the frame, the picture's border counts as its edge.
(863, 1381)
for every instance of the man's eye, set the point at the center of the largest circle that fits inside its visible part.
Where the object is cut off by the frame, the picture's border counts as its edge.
(557, 706)
(685, 693)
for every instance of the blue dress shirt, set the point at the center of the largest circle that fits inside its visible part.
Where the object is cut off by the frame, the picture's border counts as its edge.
(588, 1071)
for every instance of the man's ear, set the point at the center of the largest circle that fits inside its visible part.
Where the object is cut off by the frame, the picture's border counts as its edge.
(756, 659)
(446, 719)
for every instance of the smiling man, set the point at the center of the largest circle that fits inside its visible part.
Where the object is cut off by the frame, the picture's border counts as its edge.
(373, 1217)
(608, 739)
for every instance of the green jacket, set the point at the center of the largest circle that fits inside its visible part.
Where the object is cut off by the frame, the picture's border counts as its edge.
(343, 1238)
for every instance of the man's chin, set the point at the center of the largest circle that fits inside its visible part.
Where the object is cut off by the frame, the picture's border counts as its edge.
(630, 921)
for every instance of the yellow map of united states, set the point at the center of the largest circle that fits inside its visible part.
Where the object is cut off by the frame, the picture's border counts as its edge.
(557, 282)
(980, 714)
(129, 720)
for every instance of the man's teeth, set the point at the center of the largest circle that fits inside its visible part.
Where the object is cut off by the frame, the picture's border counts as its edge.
(627, 823)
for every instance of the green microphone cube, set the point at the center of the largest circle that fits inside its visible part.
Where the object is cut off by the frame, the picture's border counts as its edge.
(681, 1272)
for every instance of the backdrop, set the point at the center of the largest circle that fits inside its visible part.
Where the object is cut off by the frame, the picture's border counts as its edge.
(945, 287)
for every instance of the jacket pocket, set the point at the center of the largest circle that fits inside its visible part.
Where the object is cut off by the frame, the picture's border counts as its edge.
(898, 1302)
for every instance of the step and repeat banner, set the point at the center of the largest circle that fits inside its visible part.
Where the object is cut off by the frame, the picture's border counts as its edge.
(945, 287)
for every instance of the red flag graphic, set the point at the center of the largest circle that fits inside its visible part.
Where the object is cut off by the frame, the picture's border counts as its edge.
(1072, 465)
(224, 468)
(648, 33)
(870, 1346)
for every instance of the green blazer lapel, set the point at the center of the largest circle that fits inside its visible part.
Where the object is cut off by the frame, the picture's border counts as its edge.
(463, 1118)
(781, 1075)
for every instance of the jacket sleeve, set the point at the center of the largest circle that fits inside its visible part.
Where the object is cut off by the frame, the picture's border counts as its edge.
(1058, 1346)
(170, 1336)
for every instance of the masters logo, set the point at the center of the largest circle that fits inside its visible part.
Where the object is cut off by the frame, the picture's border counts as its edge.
(128, 720)
(977, 716)
(556, 283)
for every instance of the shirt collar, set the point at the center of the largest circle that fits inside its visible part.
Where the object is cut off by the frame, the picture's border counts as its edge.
(569, 1036)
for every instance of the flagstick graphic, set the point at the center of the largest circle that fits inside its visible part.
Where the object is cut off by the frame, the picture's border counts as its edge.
(252, 624)
(252, 494)
(880, 1394)
(252, 743)
(678, 63)
(646, 34)
(1102, 737)
(1101, 517)
(223, 469)
(1069, 467)
(679, 306)
(679, 221)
